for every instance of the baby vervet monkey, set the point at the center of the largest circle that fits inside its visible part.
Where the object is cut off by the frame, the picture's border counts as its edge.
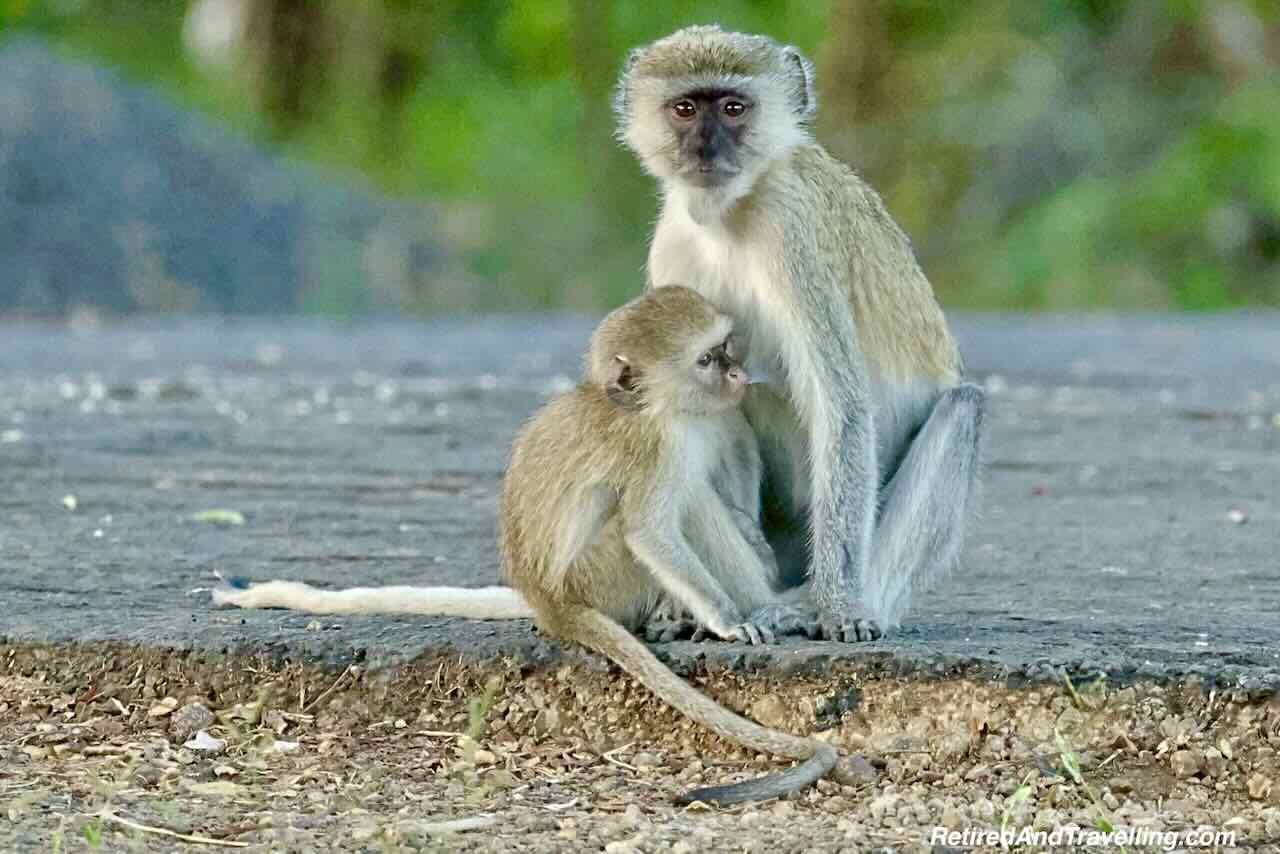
(869, 438)
(631, 494)
(615, 499)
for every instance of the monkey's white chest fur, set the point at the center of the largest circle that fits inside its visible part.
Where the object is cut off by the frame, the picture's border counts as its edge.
(702, 445)
(733, 273)
(737, 272)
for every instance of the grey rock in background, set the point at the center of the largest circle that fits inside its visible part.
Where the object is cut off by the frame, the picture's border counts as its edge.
(114, 198)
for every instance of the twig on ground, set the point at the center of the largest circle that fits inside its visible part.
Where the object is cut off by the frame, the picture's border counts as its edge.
(1104, 763)
(607, 756)
(327, 691)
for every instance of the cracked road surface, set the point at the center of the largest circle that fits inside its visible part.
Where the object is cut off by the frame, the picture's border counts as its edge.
(1130, 525)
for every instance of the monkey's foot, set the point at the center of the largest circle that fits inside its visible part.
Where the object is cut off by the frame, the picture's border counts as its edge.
(849, 631)
(786, 619)
(664, 629)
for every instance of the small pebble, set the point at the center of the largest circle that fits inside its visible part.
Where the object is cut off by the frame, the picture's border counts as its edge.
(1215, 764)
(1186, 763)
(1120, 785)
(645, 760)
(187, 720)
(1259, 787)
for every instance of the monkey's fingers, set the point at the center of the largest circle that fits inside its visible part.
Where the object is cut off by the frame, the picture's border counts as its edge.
(868, 630)
(751, 633)
(787, 619)
(851, 632)
(668, 630)
(654, 633)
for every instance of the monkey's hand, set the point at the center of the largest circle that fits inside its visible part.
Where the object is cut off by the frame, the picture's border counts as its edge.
(665, 630)
(784, 618)
(750, 632)
(669, 621)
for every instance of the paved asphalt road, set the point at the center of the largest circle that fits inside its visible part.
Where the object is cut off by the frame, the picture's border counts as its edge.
(1131, 516)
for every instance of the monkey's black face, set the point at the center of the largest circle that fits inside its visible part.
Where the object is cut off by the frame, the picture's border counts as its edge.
(710, 127)
(722, 375)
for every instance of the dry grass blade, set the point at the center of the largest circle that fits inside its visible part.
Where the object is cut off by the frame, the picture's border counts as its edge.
(107, 815)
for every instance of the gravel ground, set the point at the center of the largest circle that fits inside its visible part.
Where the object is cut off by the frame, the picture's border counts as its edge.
(449, 755)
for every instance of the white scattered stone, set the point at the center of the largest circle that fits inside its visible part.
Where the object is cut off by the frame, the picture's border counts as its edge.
(206, 743)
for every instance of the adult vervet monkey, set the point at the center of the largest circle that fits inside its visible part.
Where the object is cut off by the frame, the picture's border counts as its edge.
(869, 437)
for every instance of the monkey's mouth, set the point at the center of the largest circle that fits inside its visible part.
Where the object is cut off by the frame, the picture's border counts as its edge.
(710, 174)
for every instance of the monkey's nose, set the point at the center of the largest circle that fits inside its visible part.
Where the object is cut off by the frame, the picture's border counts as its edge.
(738, 375)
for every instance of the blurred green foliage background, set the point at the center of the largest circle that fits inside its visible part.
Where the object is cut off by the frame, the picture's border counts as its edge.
(1043, 154)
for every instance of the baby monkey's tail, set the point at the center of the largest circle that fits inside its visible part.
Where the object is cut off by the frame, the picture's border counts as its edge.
(475, 603)
(595, 630)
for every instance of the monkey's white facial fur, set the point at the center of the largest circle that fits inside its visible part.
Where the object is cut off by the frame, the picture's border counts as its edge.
(707, 110)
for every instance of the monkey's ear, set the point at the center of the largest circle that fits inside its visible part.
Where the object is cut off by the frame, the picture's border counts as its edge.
(800, 72)
(630, 62)
(619, 383)
(620, 105)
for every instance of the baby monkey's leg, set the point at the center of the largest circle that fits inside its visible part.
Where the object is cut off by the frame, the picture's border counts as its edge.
(736, 553)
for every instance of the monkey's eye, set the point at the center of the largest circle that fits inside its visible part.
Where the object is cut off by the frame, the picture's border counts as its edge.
(705, 359)
(733, 109)
(684, 109)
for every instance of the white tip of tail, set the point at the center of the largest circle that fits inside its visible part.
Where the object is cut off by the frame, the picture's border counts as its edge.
(474, 603)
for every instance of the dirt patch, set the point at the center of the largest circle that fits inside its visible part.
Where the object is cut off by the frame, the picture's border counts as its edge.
(447, 754)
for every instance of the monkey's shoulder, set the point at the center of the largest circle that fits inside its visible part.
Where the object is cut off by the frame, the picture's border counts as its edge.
(815, 180)
(589, 437)
(901, 328)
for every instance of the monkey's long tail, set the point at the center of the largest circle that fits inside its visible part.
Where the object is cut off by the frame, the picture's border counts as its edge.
(608, 638)
(476, 603)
